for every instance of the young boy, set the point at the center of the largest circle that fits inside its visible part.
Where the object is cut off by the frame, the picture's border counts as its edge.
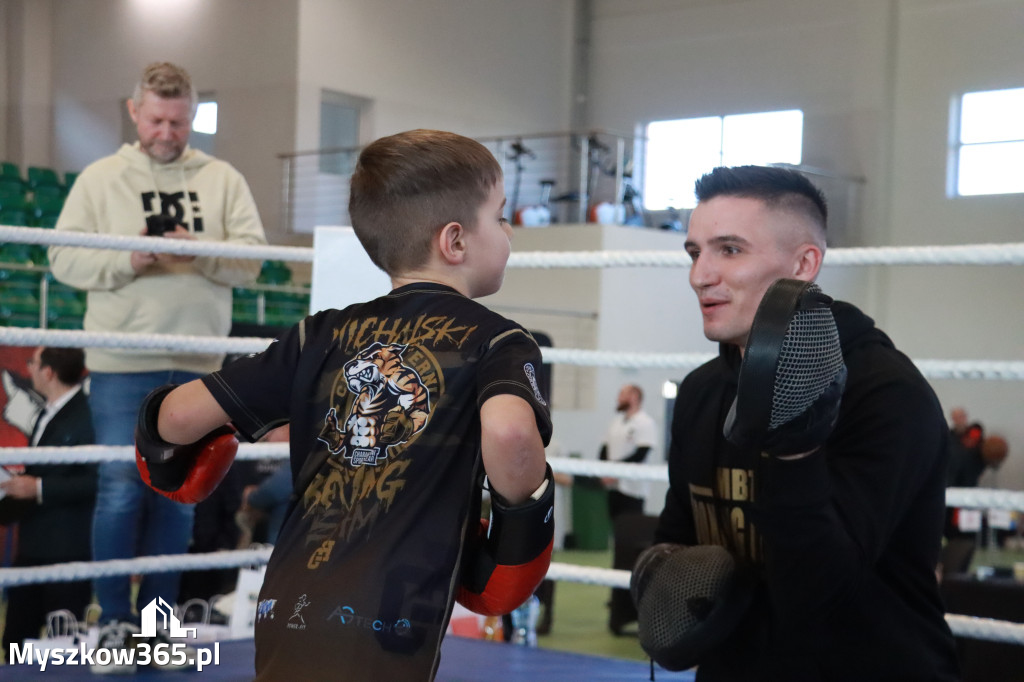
(394, 405)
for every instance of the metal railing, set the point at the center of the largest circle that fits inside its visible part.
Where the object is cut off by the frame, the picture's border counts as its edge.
(559, 176)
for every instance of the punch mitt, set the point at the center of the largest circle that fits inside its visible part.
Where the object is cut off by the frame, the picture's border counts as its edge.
(792, 376)
(183, 473)
(688, 601)
(508, 557)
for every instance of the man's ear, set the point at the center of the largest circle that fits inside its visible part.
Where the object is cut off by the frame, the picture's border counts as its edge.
(808, 262)
(452, 243)
(131, 111)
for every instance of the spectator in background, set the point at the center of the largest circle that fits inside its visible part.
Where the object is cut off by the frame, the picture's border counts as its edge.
(629, 438)
(264, 505)
(53, 503)
(161, 187)
(966, 463)
(994, 450)
(989, 452)
(958, 421)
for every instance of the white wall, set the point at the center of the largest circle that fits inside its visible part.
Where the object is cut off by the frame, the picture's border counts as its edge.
(475, 67)
(663, 59)
(6, 152)
(946, 49)
(26, 72)
(244, 50)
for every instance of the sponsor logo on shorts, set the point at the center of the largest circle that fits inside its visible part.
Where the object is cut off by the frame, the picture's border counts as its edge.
(297, 622)
(346, 615)
(265, 609)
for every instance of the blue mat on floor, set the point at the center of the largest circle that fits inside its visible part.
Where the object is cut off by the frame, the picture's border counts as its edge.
(462, 660)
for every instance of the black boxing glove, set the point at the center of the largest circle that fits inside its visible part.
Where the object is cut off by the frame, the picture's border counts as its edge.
(792, 377)
(183, 473)
(508, 557)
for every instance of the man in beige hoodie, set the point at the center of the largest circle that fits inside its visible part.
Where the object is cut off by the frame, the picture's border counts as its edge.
(162, 187)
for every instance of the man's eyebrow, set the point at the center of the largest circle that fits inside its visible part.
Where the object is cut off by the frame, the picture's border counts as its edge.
(717, 241)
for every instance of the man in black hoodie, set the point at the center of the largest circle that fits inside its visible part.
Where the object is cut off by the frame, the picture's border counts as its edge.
(844, 539)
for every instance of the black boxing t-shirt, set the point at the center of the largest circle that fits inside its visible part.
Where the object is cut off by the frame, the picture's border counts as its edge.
(383, 400)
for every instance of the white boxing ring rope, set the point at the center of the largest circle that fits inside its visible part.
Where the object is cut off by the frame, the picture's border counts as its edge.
(966, 254)
(979, 254)
(1009, 370)
(971, 498)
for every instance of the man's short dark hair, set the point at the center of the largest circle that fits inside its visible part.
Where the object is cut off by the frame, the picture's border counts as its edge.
(408, 186)
(780, 188)
(67, 363)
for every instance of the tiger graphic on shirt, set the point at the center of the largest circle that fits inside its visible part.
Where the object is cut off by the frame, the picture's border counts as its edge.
(391, 405)
(382, 401)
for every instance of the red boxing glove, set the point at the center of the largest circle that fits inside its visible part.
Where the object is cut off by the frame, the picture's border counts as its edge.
(510, 556)
(183, 473)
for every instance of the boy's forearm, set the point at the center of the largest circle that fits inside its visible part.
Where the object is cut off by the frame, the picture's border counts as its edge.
(188, 413)
(513, 451)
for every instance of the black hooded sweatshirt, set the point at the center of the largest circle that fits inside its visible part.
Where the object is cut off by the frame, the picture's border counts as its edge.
(845, 541)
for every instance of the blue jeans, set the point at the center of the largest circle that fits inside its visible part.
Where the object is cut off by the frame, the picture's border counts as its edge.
(130, 519)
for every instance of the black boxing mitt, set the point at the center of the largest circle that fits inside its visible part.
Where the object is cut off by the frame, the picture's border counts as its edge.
(792, 376)
(688, 601)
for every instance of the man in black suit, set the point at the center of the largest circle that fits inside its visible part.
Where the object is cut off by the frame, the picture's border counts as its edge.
(52, 503)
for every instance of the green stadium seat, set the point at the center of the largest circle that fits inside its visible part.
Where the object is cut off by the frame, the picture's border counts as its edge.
(49, 192)
(274, 272)
(48, 203)
(40, 176)
(22, 254)
(244, 306)
(17, 217)
(48, 220)
(22, 296)
(10, 171)
(39, 255)
(64, 304)
(11, 189)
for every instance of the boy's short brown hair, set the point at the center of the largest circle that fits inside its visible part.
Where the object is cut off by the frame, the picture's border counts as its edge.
(408, 186)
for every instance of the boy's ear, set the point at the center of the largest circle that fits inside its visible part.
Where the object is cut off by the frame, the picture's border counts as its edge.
(452, 243)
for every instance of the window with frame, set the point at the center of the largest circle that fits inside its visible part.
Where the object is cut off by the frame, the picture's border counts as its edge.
(204, 124)
(340, 116)
(987, 143)
(680, 151)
